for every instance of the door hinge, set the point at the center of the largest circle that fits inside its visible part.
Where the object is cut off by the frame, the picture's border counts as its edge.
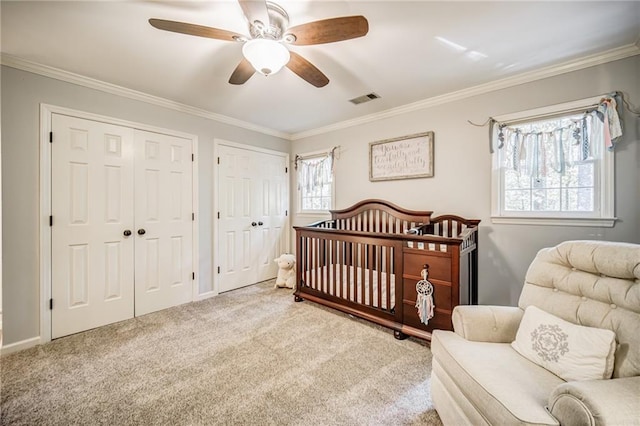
(218, 269)
(218, 160)
(286, 212)
(218, 215)
(50, 137)
(193, 275)
(50, 304)
(286, 170)
(193, 216)
(50, 220)
(193, 157)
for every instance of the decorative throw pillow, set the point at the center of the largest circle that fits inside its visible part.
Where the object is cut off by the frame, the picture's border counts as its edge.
(570, 351)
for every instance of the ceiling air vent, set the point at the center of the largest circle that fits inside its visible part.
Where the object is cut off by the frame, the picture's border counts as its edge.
(364, 98)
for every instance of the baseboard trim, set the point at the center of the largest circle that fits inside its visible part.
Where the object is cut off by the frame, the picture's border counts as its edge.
(207, 295)
(19, 346)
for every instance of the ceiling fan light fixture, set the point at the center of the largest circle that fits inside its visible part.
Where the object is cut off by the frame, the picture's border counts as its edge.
(265, 55)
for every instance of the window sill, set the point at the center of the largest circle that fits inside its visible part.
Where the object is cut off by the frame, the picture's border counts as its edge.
(594, 222)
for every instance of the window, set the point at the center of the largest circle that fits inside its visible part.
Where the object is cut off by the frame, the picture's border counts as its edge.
(552, 166)
(315, 182)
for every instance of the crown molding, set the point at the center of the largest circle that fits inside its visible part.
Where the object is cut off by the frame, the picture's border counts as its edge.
(80, 80)
(527, 77)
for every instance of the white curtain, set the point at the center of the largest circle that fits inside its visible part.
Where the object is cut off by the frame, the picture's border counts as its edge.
(314, 172)
(537, 148)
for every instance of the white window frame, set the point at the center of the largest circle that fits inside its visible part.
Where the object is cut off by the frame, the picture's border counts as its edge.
(604, 179)
(300, 210)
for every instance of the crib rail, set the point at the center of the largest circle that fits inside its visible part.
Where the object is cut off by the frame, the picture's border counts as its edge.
(356, 271)
(450, 226)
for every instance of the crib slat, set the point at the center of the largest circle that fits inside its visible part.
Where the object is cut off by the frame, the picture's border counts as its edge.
(310, 257)
(378, 255)
(388, 280)
(300, 250)
(307, 245)
(338, 267)
(306, 260)
(360, 290)
(374, 221)
(370, 268)
(350, 269)
(317, 270)
(334, 262)
(344, 276)
(316, 263)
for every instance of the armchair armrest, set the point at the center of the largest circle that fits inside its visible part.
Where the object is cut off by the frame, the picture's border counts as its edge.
(597, 402)
(495, 324)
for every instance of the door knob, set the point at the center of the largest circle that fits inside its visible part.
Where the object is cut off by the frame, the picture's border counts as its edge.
(127, 232)
(141, 231)
(260, 223)
(253, 224)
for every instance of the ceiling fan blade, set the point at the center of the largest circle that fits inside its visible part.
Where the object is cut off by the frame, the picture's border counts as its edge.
(255, 10)
(195, 30)
(242, 73)
(330, 30)
(307, 71)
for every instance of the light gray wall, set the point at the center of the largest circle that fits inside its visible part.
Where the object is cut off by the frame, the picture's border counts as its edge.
(22, 93)
(461, 184)
(462, 181)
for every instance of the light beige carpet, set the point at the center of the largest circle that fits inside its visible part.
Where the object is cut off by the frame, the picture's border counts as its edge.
(251, 356)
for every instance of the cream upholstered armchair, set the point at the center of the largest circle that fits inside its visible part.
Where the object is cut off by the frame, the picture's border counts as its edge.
(569, 354)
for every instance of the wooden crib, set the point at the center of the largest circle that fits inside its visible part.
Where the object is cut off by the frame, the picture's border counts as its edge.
(367, 259)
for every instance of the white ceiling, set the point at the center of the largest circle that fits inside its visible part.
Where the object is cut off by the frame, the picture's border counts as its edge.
(414, 50)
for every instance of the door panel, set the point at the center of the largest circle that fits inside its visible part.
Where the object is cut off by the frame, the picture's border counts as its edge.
(107, 179)
(163, 217)
(253, 199)
(271, 213)
(163, 272)
(236, 182)
(92, 204)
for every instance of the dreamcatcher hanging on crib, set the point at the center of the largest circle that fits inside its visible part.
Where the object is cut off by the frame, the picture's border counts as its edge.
(424, 301)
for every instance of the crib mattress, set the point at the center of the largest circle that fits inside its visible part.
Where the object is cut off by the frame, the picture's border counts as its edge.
(351, 286)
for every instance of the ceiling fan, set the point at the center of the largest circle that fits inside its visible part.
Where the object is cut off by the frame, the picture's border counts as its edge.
(265, 50)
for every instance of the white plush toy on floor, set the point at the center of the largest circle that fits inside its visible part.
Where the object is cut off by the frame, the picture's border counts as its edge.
(286, 272)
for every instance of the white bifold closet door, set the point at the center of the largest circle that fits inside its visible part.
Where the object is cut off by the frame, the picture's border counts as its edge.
(122, 226)
(163, 222)
(253, 200)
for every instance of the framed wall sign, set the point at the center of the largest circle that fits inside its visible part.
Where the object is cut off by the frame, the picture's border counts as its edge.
(406, 157)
